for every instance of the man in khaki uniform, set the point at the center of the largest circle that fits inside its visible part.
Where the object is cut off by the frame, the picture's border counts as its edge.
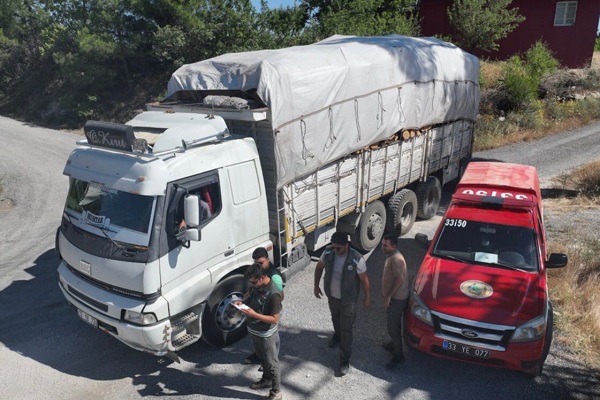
(394, 291)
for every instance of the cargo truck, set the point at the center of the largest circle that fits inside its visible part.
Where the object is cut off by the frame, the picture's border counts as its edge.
(481, 294)
(273, 148)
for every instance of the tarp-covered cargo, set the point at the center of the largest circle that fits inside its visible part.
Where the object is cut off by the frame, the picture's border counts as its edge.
(339, 95)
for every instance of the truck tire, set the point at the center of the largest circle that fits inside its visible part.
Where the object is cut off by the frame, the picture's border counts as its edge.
(222, 323)
(429, 194)
(402, 212)
(371, 227)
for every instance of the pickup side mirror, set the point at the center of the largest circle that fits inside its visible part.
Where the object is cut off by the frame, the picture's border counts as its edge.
(556, 260)
(422, 240)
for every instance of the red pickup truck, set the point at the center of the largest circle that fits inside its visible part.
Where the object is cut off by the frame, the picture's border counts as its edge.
(481, 293)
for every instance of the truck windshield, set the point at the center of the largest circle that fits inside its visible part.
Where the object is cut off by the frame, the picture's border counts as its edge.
(486, 243)
(103, 207)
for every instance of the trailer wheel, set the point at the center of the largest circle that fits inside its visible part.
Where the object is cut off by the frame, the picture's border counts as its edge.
(370, 227)
(402, 211)
(222, 323)
(429, 194)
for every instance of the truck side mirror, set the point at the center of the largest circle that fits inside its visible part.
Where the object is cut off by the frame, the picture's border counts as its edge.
(422, 240)
(556, 260)
(191, 210)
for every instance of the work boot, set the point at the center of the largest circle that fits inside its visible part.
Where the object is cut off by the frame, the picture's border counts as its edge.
(344, 368)
(394, 362)
(262, 384)
(275, 395)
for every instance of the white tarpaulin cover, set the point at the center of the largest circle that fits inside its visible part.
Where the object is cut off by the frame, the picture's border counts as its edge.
(339, 95)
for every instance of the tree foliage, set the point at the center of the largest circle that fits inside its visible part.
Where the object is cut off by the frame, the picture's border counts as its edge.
(64, 61)
(363, 17)
(480, 24)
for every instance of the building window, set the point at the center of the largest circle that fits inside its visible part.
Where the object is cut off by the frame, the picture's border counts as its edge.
(565, 13)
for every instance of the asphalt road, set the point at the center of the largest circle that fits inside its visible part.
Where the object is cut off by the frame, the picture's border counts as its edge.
(46, 352)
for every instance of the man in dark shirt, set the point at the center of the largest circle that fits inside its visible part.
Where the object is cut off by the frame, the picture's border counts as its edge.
(263, 308)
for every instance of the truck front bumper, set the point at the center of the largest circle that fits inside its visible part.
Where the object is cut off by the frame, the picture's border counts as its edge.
(87, 298)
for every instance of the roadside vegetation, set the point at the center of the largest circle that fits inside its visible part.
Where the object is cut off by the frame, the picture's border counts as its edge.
(575, 289)
(528, 97)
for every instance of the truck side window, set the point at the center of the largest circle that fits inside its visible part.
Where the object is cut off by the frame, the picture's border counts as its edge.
(207, 190)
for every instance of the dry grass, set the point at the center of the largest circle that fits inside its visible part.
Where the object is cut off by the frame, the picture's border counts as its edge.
(517, 135)
(490, 73)
(596, 60)
(575, 290)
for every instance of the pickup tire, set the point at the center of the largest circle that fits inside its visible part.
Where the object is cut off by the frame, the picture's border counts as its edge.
(402, 212)
(429, 195)
(371, 227)
(222, 323)
(537, 371)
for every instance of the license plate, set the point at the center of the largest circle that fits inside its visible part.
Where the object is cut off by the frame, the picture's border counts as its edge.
(466, 350)
(88, 318)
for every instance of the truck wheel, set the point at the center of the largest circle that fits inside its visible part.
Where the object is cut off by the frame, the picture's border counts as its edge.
(222, 323)
(402, 211)
(370, 227)
(429, 194)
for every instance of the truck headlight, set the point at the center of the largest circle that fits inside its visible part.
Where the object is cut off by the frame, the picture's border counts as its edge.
(418, 309)
(530, 330)
(139, 318)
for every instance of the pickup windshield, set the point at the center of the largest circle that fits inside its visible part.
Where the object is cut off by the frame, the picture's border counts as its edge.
(106, 207)
(495, 245)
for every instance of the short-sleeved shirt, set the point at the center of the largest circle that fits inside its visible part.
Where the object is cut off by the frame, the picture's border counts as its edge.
(336, 272)
(275, 276)
(394, 268)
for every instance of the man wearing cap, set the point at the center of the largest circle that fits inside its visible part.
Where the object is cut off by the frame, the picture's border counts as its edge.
(345, 271)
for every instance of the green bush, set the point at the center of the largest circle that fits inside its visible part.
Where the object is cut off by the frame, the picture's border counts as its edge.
(597, 45)
(522, 78)
(520, 86)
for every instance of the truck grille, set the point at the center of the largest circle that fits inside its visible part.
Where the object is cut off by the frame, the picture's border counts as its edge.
(86, 299)
(475, 333)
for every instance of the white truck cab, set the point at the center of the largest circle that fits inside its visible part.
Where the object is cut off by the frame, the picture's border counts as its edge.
(123, 266)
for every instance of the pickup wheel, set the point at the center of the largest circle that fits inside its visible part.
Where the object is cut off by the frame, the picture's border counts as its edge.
(537, 371)
(222, 323)
(371, 227)
(402, 212)
(429, 194)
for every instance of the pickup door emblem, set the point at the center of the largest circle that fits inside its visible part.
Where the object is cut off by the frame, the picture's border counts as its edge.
(476, 289)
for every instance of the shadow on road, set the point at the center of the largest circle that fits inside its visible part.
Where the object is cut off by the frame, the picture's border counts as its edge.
(37, 323)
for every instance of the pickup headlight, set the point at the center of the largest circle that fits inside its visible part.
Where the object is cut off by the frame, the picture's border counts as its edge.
(139, 318)
(418, 309)
(530, 330)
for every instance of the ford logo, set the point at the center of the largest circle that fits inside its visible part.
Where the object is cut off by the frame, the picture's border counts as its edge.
(469, 334)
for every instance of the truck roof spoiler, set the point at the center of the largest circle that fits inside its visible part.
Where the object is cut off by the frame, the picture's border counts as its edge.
(121, 138)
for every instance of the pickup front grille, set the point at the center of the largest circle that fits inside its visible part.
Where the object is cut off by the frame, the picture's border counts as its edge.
(475, 333)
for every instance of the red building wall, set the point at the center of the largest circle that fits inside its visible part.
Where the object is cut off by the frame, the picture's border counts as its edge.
(572, 46)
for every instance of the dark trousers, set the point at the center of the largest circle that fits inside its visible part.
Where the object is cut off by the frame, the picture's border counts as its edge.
(343, 317)
(267, 349)
(394, 323)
